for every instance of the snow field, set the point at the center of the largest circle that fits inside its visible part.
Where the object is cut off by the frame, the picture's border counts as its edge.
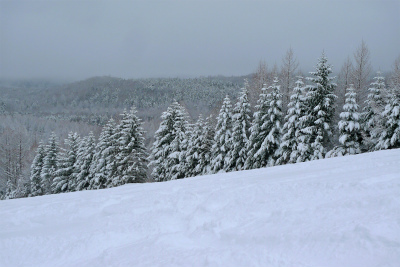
(334, 212)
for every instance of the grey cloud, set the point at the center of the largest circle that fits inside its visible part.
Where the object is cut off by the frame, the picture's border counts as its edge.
(78, 39)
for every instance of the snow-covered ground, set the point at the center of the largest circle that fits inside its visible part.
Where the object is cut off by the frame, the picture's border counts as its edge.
(334, 212)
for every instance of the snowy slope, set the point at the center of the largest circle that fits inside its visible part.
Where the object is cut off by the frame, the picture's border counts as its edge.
(334, 212)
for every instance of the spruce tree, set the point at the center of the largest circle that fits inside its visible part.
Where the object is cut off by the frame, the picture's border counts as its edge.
(222, 140)
(103, 158)
(289, 151)
(320, 101)
(176, 160)
(372, 113)
(240, 132)
(10, 189)
(64, 180)
(199, 147)
(194, 149)
(50, 164)
(265, 130)
(36, 169)
(206, 146)
(169, 148)
(349, 127)
(84, 160)
(131, 158)
(389, 137)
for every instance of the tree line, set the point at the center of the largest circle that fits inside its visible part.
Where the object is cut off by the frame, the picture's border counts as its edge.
(241, 137)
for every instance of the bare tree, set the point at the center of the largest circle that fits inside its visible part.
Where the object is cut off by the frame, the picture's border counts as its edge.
(344, 79)
(288, 70)
(362, 70)
(257, 82)
(395, 76)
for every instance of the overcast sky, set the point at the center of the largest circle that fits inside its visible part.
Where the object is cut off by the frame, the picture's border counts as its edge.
(132, 39)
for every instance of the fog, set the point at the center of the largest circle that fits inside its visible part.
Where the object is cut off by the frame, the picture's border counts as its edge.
(133, 39)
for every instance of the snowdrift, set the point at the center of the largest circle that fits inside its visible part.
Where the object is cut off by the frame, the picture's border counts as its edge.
(333, 212)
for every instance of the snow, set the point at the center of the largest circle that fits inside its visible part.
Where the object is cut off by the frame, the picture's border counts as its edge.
(341, 211)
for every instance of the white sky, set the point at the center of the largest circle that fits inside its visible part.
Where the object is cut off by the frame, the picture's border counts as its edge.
(132, 39)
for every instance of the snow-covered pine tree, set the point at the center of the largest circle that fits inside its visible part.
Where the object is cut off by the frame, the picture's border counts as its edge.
(266, 128)
(182, 132)
(320, 101)
(36, 169)
(349, 127)
(222, 139)
(206, 146)
(257, 130)
(288, 151)
(64, 180)
(103, 157)
(132, 156)
(10, 190)
(240, 132)
(84, 160)
(169, 148)
(389, 136)
(199, 147)
(49, 163)
(372, 113)
(194, 148)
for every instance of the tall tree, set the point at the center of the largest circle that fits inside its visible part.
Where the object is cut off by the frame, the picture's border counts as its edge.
(222, 140)
(104, 158)
(258, 80)
(289, 151)
(240, 132)
(349, 127)
(320, 101)
(132, 155)
(287, 76)
(361, 71)
(169, 148)
(84, 160)
(36, 169)
(50, 163)
(389, 137)
(372, 112)
(345, 78)
(194, 149)
(64, 180)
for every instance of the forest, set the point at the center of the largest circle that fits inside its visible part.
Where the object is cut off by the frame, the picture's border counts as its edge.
(119, 131)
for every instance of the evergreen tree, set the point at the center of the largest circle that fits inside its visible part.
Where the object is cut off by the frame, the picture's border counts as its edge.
(289, 151)
(131, 159)
(206, 146)
(389, 137)
(349, 127)
(265, 130)
(64, 180)
(84, 160)
(199, 148)
(222, 140)
(10, 190)
(194, 149)
(103, 158)
(240, 132)
(372, 115)
(49, 164)
(320, 100)
(169, 148)
(36, 169)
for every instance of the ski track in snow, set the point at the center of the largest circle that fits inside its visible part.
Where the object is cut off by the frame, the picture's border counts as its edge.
(333, 212)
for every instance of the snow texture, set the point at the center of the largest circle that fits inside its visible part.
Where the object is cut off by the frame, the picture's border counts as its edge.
(341, 211)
